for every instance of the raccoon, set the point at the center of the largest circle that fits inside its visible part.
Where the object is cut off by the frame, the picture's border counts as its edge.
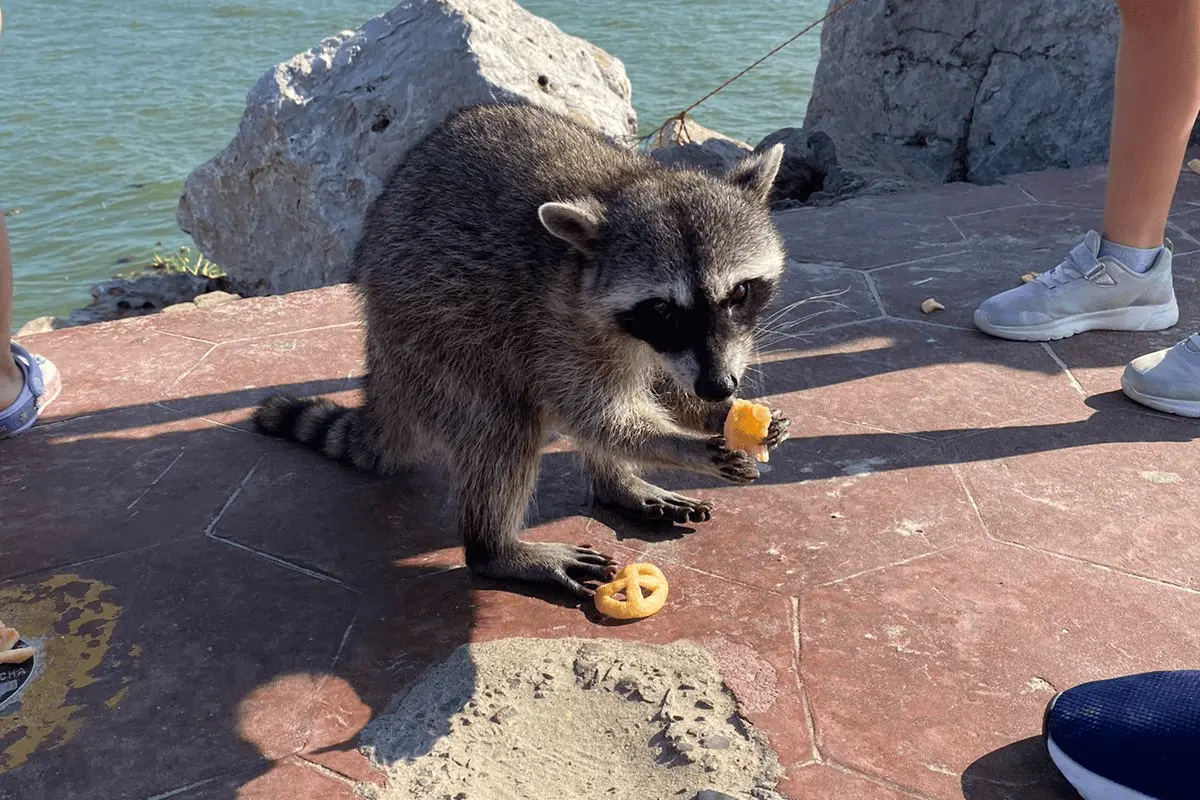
(520, 274)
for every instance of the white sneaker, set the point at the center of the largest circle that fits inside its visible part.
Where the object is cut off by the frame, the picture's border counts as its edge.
(1168, 380)
(1084, 293)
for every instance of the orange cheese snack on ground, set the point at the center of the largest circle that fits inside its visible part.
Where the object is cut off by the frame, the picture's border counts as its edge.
(746, 427)
(632, 580)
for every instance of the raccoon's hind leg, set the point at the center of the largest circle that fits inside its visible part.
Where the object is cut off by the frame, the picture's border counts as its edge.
(618, 484)
(494, 478)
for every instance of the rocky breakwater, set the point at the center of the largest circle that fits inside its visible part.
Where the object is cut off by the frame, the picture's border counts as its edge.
(909, 95)
(280, 208)
(966, 91)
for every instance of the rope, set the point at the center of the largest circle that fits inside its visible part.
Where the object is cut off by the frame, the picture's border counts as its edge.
(681, 131)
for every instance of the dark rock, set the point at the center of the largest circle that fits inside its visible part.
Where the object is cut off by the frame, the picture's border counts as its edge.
(815, 171)
(121, 298)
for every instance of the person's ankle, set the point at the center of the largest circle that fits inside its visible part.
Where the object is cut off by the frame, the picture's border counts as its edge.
(11, 381)
(1137, 259)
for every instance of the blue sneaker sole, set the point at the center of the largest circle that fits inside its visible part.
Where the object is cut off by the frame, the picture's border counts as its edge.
(1089, 785)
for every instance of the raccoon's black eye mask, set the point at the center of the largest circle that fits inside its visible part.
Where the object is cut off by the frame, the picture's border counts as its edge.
(671, 328)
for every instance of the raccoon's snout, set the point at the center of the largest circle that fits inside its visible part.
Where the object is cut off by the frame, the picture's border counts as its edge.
(716, 387)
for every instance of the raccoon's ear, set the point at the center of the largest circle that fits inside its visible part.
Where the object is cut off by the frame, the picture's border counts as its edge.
(756, 173)
(576, 223)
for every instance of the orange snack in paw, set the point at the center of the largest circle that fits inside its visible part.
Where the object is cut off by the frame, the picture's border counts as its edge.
(746, 427)
(632, 580)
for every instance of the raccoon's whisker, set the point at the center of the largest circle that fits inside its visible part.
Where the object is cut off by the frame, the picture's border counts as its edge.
(816, 298)
(783, 330)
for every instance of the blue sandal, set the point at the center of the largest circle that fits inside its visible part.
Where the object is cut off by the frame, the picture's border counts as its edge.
(42, 385)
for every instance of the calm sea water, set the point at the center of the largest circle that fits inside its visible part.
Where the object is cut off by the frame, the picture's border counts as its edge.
(106, 107)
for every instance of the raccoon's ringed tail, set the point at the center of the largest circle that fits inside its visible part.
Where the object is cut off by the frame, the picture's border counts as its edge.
(319, 424)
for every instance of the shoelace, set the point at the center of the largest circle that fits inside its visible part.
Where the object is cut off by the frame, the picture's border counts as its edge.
(1072, 268)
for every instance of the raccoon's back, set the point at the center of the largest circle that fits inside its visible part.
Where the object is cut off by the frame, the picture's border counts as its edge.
(464, 200)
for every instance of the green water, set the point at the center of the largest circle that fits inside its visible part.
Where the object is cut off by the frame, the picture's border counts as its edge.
(106, 107)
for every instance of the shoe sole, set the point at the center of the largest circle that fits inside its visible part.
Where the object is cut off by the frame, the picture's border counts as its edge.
(1182, 408)
(1138, 318)
(1090, 785)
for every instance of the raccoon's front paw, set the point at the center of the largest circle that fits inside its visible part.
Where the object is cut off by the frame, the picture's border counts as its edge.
(777, 433)
(551, 562)
(732, 465)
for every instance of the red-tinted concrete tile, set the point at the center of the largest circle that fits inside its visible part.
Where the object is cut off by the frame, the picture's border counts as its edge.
(400, 631)
(847, 237)
(1118, 489)
(291, 779)
(114, 364)
(205, 661)
(918, 671)
(950, 200)
(1084, 187)
(815, 296)
(909, 378)
(1034, 229)
(839, 500)
(372, 530)
(255, 317)
(329, 518)
(823, 782)
(1018, 771)
(959, 282)
(235, 377)
(1076, 187)
(113, 482)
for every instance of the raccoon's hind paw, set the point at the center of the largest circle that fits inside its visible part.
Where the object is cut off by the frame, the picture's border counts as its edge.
(732, 465)
(551, 562)
(646, 501)
(777, 433)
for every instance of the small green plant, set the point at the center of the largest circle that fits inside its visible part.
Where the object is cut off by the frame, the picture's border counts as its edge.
(182, 262)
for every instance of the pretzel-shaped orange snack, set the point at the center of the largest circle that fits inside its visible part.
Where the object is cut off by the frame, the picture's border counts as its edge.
(746, 426)
(632, 580)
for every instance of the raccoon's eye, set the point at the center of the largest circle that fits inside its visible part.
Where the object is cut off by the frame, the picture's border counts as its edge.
(739, 294)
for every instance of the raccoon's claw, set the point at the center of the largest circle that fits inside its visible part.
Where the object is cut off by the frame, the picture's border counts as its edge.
(646, 501)
(732, 465)
(551, 562)
(674, 507)
(777, 433)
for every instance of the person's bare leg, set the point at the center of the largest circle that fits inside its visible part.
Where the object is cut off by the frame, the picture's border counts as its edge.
(1157, 99)
(11, 378)
(1155, 104)
(1121, 277)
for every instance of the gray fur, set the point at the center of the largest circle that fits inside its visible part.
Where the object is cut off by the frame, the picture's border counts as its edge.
(491, 270)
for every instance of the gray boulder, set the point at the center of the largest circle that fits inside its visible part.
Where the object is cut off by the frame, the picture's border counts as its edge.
(969, 90)
(691, 145)
(280, 208)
